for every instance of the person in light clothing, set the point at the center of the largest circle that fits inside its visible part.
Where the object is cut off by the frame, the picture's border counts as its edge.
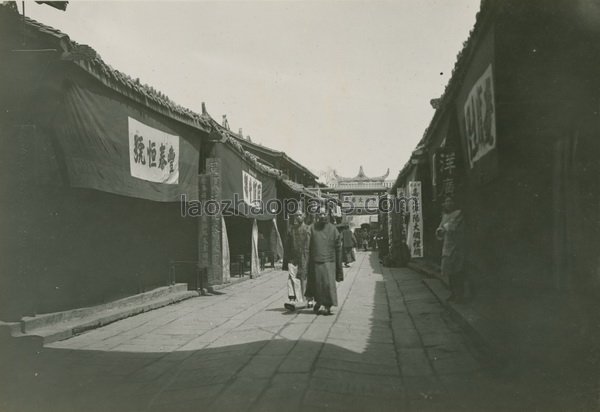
(295, 261)
(451, 231)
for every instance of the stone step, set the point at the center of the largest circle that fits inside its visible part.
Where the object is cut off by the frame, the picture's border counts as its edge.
(53, 327)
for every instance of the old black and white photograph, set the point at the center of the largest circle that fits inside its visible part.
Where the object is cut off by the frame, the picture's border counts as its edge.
(299, 205)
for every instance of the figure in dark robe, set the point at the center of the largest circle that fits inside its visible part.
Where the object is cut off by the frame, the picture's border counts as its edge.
(325, 264)
(348, 243)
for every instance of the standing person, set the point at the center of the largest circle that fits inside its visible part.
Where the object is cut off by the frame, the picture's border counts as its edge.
(451, 231)
(325, 264)
(365, 239)
(262, 249)
(295, 261)
(349, 242)
(382, 245)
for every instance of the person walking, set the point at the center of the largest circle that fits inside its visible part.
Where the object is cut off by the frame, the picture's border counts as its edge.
(365, 239)
(325, 263)
(451, 231)
(349, 242)
(295, 261)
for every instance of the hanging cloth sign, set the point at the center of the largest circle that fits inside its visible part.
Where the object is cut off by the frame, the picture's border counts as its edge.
(113, 144)
(415, 223)
(277, 246)
(255, 259)
(252, 189)
(246, 190)
(153, 155)
(226, 255)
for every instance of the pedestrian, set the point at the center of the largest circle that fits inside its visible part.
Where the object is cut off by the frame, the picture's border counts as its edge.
(451, 231)
(262, 250)
(295, 261)
(349, 242)
(382, 245)
(325, 263)
(365, 240)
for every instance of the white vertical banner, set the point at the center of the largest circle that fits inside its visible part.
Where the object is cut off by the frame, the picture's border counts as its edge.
(403, 210)
(252, 189)
(225, 251)
(391, 209)
(415, 223)
(255, 259)
(279, 243)
(153, 154)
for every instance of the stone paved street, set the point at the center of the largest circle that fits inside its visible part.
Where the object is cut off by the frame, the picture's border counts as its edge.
(389, 346)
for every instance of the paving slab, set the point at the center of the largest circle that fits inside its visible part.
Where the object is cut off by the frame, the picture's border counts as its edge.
(390, 345)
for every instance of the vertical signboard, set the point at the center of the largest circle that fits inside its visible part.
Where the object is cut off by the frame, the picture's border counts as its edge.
(252, 189)
(445, 173)
(391, 209)
(403, 207)
(480, 118)
(415, 224)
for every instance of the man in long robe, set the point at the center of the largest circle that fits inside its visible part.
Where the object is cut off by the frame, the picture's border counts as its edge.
(451, 230)
(325, 263)
(295, 261)
(348, 243)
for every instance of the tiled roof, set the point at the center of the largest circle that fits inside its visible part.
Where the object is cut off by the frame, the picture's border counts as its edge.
(112, 78)
(298, 188)
(487, 9)
(143, 93)
(361, 177)
(460, 67)
(227, 137)
(273, 152)
(147, 95)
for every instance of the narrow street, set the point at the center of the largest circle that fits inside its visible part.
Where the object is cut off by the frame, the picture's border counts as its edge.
(389, 346)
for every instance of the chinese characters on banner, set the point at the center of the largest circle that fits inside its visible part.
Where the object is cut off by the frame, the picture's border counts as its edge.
(480, 118)
(252, 189)
(415, 224)
(153, 154)
(445, 173)
(401, 197)
(391, 201)
(369, 203)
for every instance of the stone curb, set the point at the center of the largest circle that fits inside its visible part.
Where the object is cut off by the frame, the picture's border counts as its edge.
(53, 327)
(31, 323)
(427, 270)
(236, 280)
(56, 331)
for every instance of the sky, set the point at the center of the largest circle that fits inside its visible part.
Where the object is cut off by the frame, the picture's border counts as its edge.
(334, 84)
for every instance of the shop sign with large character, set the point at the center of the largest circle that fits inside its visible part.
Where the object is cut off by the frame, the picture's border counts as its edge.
(444, 172)
(480, 118)
(153, 154)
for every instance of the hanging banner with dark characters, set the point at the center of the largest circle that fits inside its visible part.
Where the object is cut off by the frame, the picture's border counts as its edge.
(480, 118)
(153, 154)
(113, 144)
(415, 223)
(246, 190)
